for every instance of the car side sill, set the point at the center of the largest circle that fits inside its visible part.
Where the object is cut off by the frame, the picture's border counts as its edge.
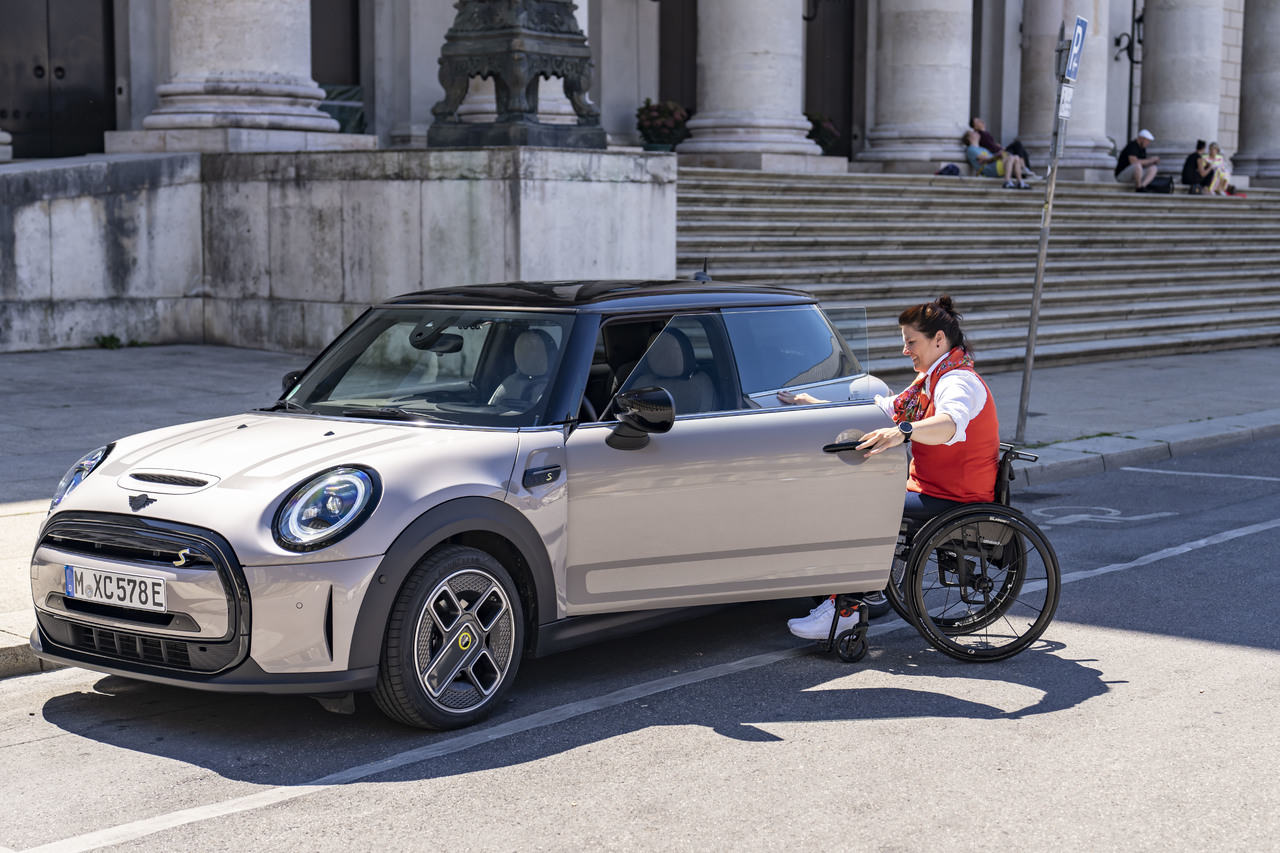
(577, 631)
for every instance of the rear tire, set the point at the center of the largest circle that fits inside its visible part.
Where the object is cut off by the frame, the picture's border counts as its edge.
(983, 582)
(453, 642)
(877, 603)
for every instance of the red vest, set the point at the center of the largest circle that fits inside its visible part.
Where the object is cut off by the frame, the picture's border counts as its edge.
(965, 471)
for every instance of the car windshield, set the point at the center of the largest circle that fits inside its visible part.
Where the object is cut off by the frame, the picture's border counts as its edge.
(458, 366)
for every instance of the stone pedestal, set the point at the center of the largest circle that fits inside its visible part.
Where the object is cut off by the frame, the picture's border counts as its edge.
(1259, 155)
(241, 80)
(481, 102)
(6, 147)
(1087, 152)
(1181, 76)
(923, 61)
(517, 43)
(750, 84)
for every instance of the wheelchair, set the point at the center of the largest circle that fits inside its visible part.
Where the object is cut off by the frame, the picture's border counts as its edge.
(980, 582)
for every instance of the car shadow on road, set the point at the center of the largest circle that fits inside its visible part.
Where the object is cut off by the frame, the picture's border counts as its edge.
(290, 740)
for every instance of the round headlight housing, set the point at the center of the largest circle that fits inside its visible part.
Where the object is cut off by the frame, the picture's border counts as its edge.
(326, 508)
(75, 476)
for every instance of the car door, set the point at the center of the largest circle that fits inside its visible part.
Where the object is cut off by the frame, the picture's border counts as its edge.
(737, 504)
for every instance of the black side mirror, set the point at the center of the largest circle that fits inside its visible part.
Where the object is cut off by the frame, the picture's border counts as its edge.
(641, 413)
(290, 379)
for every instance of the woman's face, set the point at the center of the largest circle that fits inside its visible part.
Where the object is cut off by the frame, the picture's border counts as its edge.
(1213, 150)
(921, 349)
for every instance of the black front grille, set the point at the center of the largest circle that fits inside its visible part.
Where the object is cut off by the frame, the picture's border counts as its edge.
(129, 545)
(144, 541)
(170, 480)
(130, 646)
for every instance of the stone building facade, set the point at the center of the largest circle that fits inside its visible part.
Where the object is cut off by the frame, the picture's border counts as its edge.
(899, 78)
(280, 176)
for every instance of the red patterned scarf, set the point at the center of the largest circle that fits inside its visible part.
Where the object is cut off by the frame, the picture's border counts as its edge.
(913, 402)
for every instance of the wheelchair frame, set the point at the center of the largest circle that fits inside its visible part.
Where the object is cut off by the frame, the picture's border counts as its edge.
(976, 547)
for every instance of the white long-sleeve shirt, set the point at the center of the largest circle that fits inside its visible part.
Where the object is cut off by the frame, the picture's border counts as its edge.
(959, 393)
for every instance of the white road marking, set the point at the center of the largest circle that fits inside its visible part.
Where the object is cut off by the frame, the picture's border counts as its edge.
(1201, 474)
(1176, 550)
(271, 796)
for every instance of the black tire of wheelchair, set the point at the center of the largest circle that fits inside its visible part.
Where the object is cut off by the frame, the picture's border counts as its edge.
(878, 604)
(896, 594)
(851, 646)
(934, 633)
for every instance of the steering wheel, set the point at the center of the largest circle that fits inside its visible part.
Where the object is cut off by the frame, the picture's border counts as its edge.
(590, 409)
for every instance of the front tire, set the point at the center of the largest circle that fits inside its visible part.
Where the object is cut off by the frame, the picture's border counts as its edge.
(453, 641)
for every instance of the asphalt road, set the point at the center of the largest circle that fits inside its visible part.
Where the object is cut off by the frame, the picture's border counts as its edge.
(1146, 719)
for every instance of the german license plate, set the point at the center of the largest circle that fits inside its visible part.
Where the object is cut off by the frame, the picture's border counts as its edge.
(116, 588)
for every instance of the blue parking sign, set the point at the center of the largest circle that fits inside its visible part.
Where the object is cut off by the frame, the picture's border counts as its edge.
(1077, 47)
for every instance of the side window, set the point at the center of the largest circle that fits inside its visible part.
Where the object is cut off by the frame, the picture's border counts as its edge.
(687, 355)
(792, 347)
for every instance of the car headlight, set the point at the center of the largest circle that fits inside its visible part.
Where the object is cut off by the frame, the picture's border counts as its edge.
(78, 472)
(326, 508)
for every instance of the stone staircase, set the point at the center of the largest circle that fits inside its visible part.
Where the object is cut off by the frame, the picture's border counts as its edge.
(1126, 274)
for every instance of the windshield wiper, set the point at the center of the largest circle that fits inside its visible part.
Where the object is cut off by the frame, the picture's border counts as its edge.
(286, 406)
(390, 413)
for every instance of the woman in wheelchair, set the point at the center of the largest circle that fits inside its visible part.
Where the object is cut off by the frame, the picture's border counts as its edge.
(949, 417)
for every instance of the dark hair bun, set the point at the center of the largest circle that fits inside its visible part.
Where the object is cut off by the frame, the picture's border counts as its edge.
(946, 304)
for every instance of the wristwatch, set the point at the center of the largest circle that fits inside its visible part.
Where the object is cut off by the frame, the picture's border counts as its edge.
(905, 428)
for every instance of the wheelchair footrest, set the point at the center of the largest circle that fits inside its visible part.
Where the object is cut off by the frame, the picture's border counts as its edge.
(851, 643)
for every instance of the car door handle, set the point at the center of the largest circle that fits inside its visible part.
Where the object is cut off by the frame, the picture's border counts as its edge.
(541, 476)
(841, 446)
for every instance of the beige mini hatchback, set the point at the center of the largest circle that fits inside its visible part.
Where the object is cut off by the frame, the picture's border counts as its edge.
(468, 476)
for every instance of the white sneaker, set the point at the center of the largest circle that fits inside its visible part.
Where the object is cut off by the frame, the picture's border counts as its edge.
(823, 610)
(817, 626)
(1030, 174)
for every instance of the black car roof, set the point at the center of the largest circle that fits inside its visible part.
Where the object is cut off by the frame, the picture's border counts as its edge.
(608, 294)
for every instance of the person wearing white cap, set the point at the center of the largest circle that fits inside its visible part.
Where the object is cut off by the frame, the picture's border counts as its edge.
(1133, 165)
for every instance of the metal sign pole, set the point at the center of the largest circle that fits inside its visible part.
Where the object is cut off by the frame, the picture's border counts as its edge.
(1066, 72)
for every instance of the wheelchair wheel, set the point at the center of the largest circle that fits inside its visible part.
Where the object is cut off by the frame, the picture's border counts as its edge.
(982, 582)
(896, 589)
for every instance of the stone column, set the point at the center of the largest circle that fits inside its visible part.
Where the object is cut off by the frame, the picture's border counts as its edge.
(6, 146)
(751, 88)
(1259, 155)
(923, 68)
(240, 81)
(1181, 76)
(1087, 153)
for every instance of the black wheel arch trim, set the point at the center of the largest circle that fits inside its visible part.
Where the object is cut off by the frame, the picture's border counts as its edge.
(449, 521)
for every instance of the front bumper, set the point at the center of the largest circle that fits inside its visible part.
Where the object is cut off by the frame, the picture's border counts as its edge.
(248, 677)
(282, 628)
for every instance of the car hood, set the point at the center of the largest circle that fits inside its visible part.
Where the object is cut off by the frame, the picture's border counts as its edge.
(231, 474)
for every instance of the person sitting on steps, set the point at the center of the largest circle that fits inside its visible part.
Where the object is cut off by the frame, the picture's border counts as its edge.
(1213, 169)
(987, 141)
(988, 165)
(1133, 165)
(1193, 174)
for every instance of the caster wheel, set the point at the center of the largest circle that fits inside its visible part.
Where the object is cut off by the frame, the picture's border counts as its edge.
(851, 646)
